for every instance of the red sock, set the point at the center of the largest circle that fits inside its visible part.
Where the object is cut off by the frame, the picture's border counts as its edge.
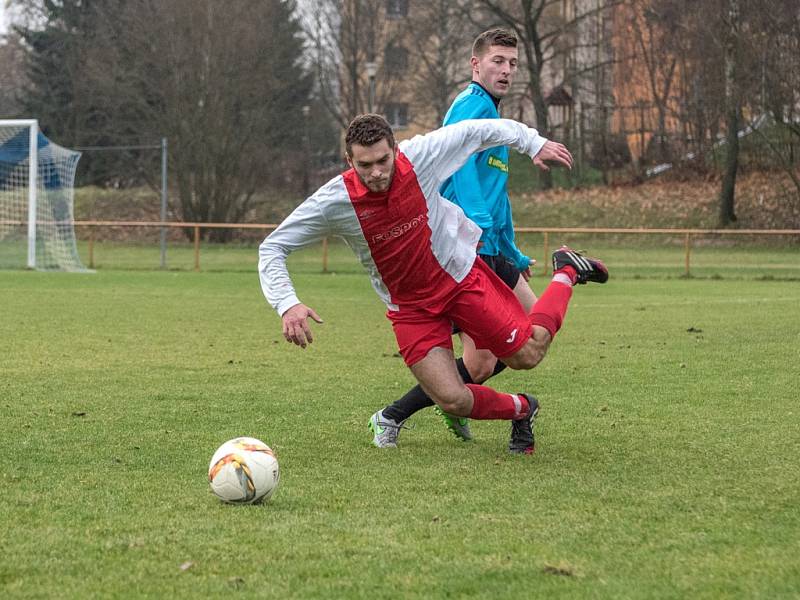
(570, 272)
(550, 308)
(489, 404)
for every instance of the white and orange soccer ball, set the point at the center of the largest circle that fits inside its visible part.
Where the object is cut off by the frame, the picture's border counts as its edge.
(244, 470)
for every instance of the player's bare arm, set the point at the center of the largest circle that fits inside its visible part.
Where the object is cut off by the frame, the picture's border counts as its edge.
(295, 325)
(554, 152)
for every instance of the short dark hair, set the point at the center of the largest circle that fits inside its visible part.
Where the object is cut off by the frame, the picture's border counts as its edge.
(493, 37)
(366, 130)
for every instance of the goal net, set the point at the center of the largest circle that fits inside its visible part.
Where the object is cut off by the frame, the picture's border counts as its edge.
(36, 195)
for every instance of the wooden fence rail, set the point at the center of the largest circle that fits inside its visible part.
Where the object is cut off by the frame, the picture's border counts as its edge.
(687, 234)
(545, 231)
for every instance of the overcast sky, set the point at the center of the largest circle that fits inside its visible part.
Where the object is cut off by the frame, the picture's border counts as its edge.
(5, 15)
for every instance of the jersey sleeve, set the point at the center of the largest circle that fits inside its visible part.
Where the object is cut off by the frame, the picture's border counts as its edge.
(443, 151)
(466, 180)
(306, 225)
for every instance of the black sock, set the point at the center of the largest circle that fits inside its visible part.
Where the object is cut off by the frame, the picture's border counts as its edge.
(462, 370)
(416, 399)
(498, 368)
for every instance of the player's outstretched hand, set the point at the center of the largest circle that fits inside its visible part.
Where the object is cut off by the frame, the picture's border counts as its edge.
(295, 324)
(553, 151)
(526, 274)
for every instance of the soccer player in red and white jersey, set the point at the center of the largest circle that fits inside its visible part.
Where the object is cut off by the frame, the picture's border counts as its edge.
(480, 189)
(419, 250)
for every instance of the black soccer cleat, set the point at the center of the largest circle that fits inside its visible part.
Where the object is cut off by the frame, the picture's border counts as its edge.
(522, 440)
(588, 269)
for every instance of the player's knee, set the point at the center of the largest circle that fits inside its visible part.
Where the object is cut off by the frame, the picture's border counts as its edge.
(454, 402)
(532, 353)
(527, 357)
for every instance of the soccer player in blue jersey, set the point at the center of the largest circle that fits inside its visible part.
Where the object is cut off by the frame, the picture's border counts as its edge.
(480, 189)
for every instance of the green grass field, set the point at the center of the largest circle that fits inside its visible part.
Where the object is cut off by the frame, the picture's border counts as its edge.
(667, 461)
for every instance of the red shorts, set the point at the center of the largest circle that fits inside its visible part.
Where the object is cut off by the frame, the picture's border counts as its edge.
(482, 306)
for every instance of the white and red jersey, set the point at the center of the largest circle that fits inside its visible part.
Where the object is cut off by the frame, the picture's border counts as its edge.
(415, 245)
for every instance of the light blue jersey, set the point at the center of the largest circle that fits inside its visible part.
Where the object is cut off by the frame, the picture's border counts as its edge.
(479, 187)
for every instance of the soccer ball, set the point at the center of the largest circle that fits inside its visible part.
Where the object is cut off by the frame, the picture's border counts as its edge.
(244, 470)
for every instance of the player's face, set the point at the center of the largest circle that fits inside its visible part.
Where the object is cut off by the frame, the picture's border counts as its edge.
(495, 70)
(373, 164)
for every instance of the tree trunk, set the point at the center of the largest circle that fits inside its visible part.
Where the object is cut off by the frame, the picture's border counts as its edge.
(542, 126)
(535, 59)
(727, 214)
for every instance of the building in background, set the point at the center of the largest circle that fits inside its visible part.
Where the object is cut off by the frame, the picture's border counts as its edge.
(621, 83)
(411, 65)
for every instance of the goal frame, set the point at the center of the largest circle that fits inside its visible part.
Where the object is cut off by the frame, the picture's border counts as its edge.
(33, 166)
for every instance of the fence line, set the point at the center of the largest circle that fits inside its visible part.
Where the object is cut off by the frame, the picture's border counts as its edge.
(687, 234)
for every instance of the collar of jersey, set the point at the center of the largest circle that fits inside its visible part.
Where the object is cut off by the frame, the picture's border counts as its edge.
(488, 94)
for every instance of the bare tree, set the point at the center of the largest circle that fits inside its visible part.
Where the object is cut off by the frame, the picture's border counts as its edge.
(733, 111)
(777, 46)
(441, 41)
(223, 82)
(700, 80)
(544, 30)
(345, 36)
(588, 59)
(655, 25)
(12, 74)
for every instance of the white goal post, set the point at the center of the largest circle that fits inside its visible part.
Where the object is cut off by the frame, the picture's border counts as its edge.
(36, 200)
